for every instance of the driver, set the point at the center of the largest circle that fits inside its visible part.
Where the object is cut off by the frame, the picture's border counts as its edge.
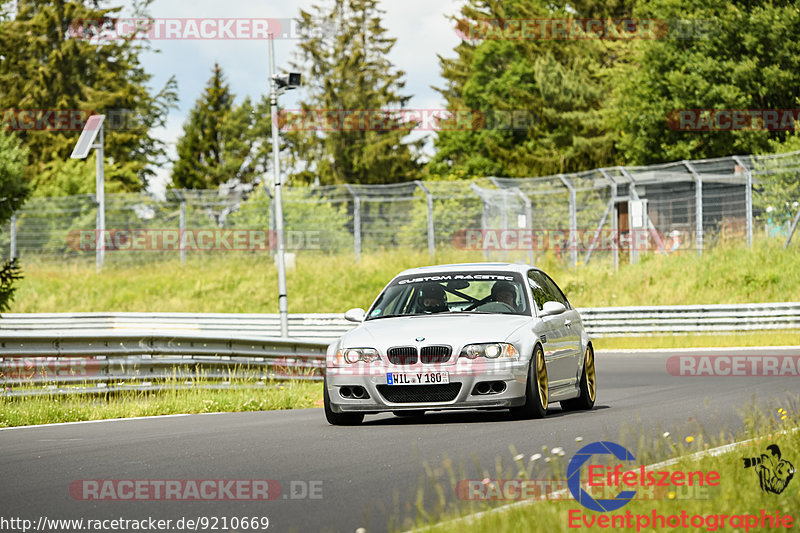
(433, 299)
(503, 291)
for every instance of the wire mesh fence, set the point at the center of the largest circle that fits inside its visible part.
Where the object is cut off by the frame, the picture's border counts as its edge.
(611, 214)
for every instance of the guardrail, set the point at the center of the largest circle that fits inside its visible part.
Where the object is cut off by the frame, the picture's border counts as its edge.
(102, 347)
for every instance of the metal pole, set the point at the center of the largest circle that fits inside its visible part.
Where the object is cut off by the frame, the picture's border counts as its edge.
(13, 230)
(356, 222)
(573, 220)
(283, 306)
(182, 222)
(698, 200)
(748, 199)
(614, 221)
(101, 201)
(788, 239)
(431, 236)
(528, 220)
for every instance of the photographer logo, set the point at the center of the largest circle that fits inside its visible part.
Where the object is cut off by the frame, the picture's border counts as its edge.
(774, 472)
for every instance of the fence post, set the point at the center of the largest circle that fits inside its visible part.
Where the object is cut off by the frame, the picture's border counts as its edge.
(748, 199)
(573, 220)
(698, 187)
(528, 220)
(477, 190)
(356, 221)
(13, 230)
(429, 202)
(182, 223)
(614, 221)
(788, 239)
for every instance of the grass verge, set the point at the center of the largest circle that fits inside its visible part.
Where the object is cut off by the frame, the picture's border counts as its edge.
(247, 283)
(729, 340)
(244, 394)
(738, 492)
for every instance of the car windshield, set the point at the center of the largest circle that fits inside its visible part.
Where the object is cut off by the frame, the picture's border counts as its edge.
(452, 292)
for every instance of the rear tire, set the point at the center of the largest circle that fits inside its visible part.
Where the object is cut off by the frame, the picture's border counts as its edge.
(588, 386)
(338, 419)
(537, 391)
(409, 414)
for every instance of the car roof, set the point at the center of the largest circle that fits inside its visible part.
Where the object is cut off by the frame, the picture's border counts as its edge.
(468, 267)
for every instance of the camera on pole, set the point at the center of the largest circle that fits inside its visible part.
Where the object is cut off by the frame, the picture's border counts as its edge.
(288, 82)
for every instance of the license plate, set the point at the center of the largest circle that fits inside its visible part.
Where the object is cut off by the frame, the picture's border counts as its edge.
(417, 378)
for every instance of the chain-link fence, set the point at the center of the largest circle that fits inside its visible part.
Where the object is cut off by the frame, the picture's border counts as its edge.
(611, 214)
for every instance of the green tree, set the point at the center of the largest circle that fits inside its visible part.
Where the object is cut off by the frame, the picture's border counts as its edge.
(347, 70)
(553, 90)
(57, 55)
(742, 55)
(14, 191)
(221, 141)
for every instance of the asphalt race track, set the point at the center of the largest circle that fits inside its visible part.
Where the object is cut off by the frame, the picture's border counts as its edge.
(369, 474)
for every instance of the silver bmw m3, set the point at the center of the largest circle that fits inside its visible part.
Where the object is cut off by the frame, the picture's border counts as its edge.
(463, 336)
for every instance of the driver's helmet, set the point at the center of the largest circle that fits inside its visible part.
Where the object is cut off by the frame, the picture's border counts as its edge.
(500, 287)
(432, 298)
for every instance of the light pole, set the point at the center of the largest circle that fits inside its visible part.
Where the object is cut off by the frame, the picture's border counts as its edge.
(277, 85)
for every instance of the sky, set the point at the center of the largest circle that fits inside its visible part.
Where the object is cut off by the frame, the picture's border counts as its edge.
(421, 27)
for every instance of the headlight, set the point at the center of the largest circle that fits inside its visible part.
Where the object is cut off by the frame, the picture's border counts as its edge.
(492, 350)
(354, 355)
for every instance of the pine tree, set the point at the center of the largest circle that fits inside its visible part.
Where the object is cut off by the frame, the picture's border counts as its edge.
(51, 59)
(343, 57)
(221, 141)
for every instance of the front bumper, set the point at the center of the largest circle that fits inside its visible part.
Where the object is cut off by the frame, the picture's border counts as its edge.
(513, 374)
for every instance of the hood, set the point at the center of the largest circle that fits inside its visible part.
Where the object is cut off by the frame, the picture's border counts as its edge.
(455, 330)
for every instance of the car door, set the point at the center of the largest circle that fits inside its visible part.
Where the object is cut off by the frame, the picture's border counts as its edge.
(572, 325)
(552, 332)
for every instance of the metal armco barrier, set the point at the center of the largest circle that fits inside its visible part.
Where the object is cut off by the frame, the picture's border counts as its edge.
(100, 347)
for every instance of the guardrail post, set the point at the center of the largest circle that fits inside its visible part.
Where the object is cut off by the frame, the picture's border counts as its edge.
(356, 221)
(429, 202)
(573, 220)
(698, 187)
(13, 231)
(748, 199)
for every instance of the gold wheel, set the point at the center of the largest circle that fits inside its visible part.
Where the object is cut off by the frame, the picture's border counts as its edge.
(591, 379)
(541, 379)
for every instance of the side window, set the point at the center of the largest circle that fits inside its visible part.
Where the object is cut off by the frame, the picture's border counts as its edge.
(555, 291)
(538, 290)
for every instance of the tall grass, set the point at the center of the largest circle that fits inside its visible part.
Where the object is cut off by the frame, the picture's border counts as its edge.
(247, 283)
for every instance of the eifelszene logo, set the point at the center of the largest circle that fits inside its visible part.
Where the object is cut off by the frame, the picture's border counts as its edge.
(774, 472)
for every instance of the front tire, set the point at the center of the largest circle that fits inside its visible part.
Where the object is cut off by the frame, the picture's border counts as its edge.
(588, 386)
(338, 419)
(537, 391)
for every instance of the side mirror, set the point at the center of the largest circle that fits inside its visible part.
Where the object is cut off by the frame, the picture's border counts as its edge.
(553, 308)
(356, 315)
